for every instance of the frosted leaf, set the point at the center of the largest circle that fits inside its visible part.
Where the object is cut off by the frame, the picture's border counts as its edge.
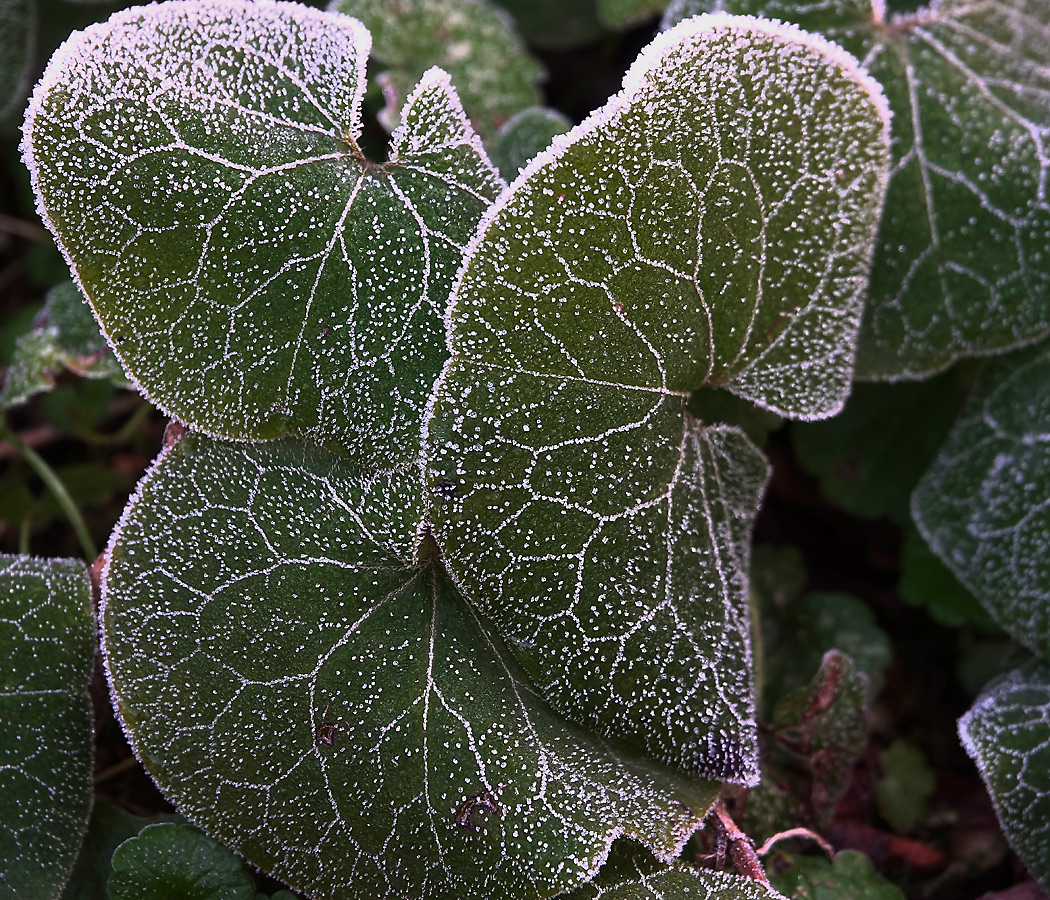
(18, 25)
(473, 40)
(47, 630)
(305, 686)
(1007, 734)
(198, 164)
(524, 135)
(961, 264)
(701, 228)
(65, 336)
(984, 504)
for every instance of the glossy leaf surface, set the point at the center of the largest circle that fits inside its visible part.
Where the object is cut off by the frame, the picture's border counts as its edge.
(47, 630)
(1007, 734)
(473, 40)
(310, 690)
(961, 266)
(198, 164)
(982, 506)
(709, 225)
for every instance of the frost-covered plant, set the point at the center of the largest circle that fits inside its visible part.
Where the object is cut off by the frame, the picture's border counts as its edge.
(443, 588)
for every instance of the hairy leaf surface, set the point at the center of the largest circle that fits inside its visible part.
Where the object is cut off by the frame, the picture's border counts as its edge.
(709, 226)
(984, 505)
(473, 40)
(310, 690)
(47, 630)
(1007, 734)
(961, 265)
(198, 163)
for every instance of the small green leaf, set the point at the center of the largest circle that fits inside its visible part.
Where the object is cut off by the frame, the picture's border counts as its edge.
(849, 876)
(473, 40)
(47, 630)
(109, 827)
(621, 13)
(253, 271)
(1007, 734)
(961, 266)
(603, 529)
(65, 335)
(18, 26)
(177, 862)
(904, 787)
(305, 685)
(524, 136)
(982, 505)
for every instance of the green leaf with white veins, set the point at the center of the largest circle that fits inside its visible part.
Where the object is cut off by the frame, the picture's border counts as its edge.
(309, 688)
(198, 164)
(47, 630)
(961, 264)
(1007, 734)
(710, 225)
(983, 504)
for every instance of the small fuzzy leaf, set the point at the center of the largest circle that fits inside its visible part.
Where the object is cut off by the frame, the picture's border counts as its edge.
(64, 335)
(982, 505)
(47, 630)
(603, 529)
(18, 25)
(1007, 734)
(849, 876)
(473, 40)
(306, 686)
(524, 136)
(256, 275)
(961, 266)
(177, 862)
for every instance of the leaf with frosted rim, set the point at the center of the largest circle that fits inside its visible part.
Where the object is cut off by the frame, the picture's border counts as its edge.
(1007, 734)
(198, 164)
(65, 336)
(524, 135)
(473, 40)
(177, 862)
(263, 599)
(47, 630)
(983, 505)
(18, 25)
(604, 530)
(961, 264)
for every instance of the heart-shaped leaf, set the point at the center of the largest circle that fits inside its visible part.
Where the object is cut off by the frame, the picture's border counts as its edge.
(961, 266)
(982, 506)
(473, 40)
(310, 689)
(47, 630)
(198, 163)
(1007, 733)
(710, 225)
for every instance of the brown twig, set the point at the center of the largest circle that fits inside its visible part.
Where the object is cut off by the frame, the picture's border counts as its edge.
(741, 849)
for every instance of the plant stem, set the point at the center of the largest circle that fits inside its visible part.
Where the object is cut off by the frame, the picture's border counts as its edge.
(57, 488)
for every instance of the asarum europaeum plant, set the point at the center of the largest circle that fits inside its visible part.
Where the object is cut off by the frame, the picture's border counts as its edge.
(445, 589)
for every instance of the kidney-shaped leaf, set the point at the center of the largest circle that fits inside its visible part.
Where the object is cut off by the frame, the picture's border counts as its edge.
(961, 266)
(982, 506)
(198, 163)
(310, 692)
(710, 225)
(47, 630)
(1007, 734)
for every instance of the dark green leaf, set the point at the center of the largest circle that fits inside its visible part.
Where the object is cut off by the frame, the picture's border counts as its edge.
(929, 583)
(47, 631)
(850, 876)
(982, 505)
(904, 787)
(1007, 734)
(254, 272)
(473, 40)
(555, 24)
(620, 13)
(524, 136)
(604, 529)
(18, 25)
(177, 862)
(305, 685)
